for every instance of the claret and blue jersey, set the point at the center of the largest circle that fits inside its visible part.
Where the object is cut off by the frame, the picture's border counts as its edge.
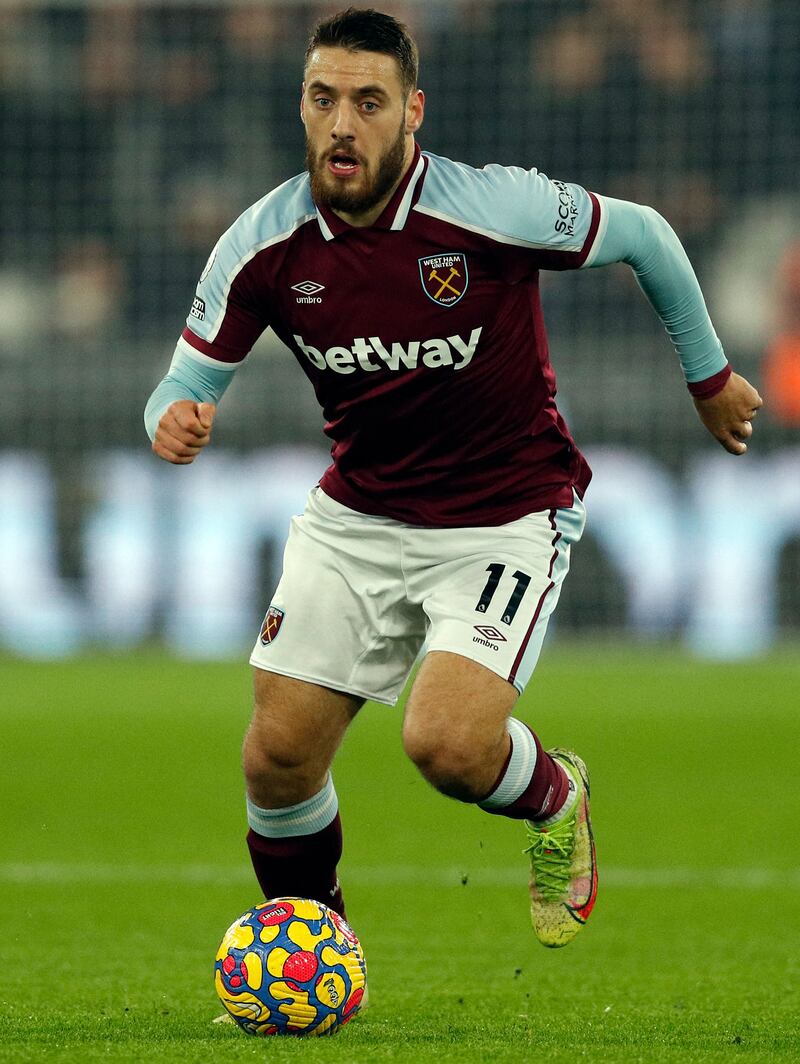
(423, 336)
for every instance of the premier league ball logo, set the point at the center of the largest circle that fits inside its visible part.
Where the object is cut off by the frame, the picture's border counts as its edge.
(290, 966)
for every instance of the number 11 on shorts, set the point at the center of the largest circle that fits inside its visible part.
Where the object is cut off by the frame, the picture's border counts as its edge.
(495, 571)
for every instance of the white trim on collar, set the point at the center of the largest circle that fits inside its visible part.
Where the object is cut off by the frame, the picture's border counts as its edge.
(404, 205)
(326, 229)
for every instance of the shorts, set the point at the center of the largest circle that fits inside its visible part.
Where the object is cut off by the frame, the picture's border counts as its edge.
(361, 595)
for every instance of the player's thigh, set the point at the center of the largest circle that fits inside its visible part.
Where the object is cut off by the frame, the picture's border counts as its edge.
(295, 731)
(340, 617)
(491, 594)
(299, 721)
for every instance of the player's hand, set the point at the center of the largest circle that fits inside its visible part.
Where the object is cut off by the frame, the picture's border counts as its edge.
(729, 414)
(183, 431)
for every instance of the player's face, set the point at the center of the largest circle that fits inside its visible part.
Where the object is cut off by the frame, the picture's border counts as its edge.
(360, 127)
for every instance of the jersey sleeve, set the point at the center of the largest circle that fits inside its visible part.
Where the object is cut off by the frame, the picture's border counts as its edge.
(191, 376)
(640, 237)
(230, 308)
(558, 221)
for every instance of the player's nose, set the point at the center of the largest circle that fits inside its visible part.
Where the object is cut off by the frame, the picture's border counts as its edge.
(344, 126)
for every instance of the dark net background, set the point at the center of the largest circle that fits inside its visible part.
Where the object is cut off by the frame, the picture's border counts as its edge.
(134, 133)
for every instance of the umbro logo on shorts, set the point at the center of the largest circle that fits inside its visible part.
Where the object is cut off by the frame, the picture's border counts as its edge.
(272, 625)
(488, 636)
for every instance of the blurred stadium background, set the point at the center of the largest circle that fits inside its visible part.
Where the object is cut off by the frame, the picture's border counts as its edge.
(133, 133)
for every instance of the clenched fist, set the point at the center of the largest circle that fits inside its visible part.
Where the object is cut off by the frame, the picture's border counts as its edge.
(729, 414)
(183, 431)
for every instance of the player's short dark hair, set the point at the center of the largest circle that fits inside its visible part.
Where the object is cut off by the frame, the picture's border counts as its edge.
(366, 30)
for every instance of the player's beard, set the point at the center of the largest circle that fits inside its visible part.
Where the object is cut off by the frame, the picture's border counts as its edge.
(328, 191)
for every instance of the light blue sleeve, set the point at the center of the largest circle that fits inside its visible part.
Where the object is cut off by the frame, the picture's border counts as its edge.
(221, 315)
(188, 378)
(522, 208)
(640, 237)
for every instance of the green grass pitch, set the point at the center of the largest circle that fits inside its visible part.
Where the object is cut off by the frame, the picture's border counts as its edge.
(122, 861)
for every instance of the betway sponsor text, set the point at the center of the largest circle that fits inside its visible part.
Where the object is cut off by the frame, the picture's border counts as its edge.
(371, 353)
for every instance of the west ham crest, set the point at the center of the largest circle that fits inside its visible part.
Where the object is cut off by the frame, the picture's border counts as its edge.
(444, 277)
(272, 625)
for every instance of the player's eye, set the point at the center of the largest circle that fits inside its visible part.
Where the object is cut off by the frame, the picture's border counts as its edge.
(369, 107)
(323, 102)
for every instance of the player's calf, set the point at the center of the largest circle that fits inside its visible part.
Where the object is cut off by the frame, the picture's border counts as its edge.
(295, 834)
(296, 850)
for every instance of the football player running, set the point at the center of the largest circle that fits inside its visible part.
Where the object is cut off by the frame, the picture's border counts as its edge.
(406, 285)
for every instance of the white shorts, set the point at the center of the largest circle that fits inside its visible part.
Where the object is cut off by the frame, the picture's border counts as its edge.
(360, 595)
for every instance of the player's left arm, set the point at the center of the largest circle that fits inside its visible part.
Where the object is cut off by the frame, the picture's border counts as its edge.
(640, 237)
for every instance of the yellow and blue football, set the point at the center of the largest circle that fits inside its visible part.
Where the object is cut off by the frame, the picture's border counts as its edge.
(290, 966)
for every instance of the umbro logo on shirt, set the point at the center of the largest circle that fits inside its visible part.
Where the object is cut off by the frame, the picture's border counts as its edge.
(308, 291)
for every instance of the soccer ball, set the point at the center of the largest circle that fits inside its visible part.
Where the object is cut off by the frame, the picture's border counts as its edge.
(290, 966)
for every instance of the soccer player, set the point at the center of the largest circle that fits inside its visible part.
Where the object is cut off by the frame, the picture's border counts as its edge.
(406, 286)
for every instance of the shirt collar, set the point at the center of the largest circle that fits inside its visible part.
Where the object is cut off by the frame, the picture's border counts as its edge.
(395, 212)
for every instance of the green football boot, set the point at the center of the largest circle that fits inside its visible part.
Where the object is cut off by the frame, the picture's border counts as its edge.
(563, 867)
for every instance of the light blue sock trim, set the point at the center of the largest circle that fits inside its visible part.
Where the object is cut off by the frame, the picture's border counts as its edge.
(305, 818)
(520, 768)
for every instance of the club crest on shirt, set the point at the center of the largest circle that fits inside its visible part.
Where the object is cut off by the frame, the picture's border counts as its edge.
(272, 625)
(444, 277)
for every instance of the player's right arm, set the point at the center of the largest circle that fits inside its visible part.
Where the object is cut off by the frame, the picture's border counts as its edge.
(183, 431)
(228, 315)
(180, 413)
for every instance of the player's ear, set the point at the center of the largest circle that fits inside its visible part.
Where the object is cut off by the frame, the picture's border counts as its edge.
(303, 103)
(415, 110)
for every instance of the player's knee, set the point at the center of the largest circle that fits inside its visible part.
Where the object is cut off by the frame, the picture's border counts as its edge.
(276, 768)
(265, 755)
(451, 765)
